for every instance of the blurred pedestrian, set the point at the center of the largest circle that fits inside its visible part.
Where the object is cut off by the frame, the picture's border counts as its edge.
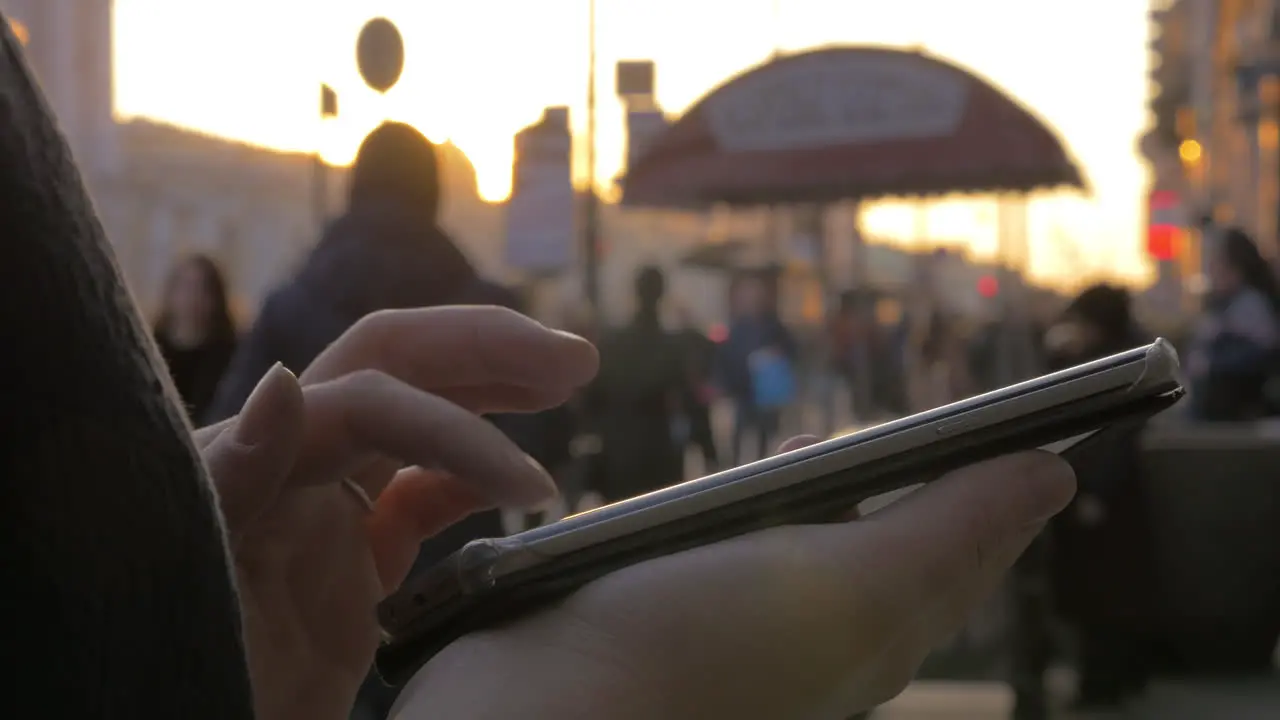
(636, 399)
(195, 331)
(756, 366)
(1235, 350)
(938, 359)
(547, 437)
(1100, 553)
(698, 352)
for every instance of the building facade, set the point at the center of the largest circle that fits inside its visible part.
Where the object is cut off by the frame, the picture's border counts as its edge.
(1216, 107)
(163, 191)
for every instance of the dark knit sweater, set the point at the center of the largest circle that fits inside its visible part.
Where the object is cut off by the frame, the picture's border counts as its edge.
(117, 598)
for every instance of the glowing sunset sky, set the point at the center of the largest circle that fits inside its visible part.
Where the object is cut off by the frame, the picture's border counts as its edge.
(476, 72)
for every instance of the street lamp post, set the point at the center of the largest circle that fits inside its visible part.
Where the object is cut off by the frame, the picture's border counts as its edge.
(591, 210)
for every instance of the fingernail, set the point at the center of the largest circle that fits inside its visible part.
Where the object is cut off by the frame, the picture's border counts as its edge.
(541, 488)
(568, 335)
(259, 414)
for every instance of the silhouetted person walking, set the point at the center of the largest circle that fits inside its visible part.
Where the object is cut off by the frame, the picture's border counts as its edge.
(637, 397)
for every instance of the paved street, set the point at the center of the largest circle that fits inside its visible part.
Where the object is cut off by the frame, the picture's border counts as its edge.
(1257, 699)
(949, 701)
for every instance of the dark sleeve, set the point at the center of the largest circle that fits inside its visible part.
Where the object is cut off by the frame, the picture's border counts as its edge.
(788, 342)
(253, 357)
(118, 596)
(1232, 354)
(722, 374)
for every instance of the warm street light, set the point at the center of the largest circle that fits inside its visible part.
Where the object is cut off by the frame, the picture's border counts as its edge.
(1190, 152)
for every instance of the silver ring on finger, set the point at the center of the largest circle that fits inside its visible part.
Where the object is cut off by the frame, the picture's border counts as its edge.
(358, 493)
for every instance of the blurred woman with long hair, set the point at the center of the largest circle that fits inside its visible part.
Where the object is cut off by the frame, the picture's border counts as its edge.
(195, 331)
(1100, 556)
(1235, 350)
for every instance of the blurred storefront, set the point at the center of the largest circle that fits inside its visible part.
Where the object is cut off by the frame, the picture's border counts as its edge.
(1216, 106)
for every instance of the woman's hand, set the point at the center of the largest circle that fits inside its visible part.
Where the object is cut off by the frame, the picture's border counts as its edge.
(394, 406)
(818, 621)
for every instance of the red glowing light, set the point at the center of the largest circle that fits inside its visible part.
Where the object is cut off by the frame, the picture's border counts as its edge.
(718, 332)
(1164, 199)
(988, 286)
(1163, 241)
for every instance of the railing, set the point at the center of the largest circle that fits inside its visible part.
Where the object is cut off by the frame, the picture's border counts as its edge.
(1212, 495)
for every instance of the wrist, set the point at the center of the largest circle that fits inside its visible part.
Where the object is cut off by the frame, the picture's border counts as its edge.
(489, 677)
(300, 701)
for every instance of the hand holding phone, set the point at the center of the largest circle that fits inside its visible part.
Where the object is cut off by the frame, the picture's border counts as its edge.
(803, 621)
(489, 582)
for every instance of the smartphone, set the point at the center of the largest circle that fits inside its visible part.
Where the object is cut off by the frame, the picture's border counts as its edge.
(488, 582)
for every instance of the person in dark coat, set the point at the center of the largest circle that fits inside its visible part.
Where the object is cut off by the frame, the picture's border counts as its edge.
(195, 332)
(1100, 551)
(699, 353)
(636, 399)
(386, 251)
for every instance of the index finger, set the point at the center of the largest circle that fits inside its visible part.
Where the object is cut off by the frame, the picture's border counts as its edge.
(367, 416)
(461, 346)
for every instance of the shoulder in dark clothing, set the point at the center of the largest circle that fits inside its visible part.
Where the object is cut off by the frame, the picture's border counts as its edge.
(117, 586)
(372, 258)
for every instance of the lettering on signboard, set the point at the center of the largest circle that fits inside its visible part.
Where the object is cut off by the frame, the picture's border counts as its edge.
(838, 99)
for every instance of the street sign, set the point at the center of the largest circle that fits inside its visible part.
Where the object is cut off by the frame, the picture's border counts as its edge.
(380, 54)
(328, 102)
(836, 99)
(635, 77)
(540, 213)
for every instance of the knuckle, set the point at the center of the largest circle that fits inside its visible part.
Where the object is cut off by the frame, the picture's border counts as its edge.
(375, 325)
(368, 380)
(496, 315)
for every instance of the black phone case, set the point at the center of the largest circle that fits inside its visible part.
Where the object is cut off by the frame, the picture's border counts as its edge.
(467, 608)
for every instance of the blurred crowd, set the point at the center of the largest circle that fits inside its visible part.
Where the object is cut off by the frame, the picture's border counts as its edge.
(653, 406)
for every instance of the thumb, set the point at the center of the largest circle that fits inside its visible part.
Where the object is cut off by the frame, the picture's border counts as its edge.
(250, 460)
(943, 549)
(917, 570)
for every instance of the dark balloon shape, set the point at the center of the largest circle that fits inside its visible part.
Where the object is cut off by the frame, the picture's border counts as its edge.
(380, 54)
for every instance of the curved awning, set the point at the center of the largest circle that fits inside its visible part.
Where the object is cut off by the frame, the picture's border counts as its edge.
(849, 122)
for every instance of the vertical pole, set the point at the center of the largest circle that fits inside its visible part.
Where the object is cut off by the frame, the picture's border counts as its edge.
(1204, 21)
(319, 190)
(591, 220)
(864, 311)
(1004, 361)
(1016, 350)
(822, 269)
(320, 171)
